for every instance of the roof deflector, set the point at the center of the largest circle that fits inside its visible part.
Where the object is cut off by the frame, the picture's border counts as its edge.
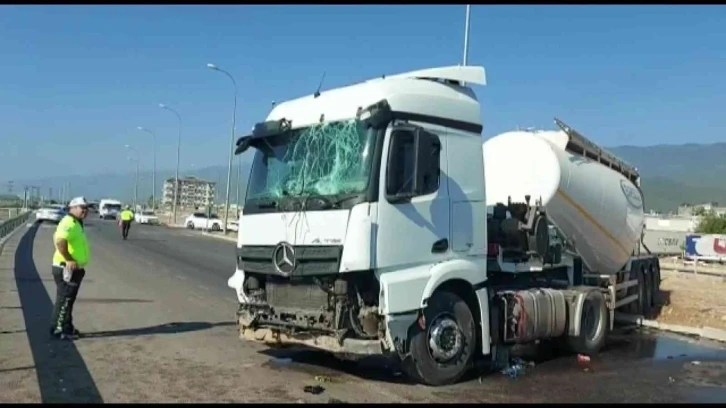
(468, 74)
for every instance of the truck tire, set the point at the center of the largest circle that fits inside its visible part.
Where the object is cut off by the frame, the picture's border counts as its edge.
(593, 325)
(190, 225)
(645, 292)
(655, 285)
(441, 353)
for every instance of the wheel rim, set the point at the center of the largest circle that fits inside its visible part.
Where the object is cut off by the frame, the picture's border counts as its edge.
(445, 339)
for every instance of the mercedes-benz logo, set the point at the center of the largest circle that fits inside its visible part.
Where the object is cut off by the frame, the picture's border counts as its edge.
(283, 258)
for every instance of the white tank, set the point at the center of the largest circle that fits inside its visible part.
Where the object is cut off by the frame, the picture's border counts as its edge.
(596, 207)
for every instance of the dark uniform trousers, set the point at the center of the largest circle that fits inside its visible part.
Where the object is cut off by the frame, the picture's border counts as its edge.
(125, 227)
(65, 298)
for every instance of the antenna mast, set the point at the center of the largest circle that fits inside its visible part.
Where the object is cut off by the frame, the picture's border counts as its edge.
(466, 34)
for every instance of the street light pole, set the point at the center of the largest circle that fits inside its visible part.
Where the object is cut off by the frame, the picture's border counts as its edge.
(136, 182)
(231, 148)
(178, 150)
(153, 174)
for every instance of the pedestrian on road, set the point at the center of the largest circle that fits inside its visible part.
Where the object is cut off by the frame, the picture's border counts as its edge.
(69, 262)
(126, 217)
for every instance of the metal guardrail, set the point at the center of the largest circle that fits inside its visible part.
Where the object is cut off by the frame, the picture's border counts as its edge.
(8, 226)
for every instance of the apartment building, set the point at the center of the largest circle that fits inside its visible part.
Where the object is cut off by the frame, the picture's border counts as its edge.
(193, 192)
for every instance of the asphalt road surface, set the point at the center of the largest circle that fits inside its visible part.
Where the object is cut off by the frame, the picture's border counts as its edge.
(159, 326)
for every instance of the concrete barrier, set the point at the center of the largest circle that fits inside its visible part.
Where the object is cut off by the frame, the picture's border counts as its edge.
(9, 226)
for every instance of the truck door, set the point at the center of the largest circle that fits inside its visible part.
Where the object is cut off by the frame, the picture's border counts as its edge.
(413, 205)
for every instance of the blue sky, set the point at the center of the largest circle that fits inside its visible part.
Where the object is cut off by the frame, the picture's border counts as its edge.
(76, 81)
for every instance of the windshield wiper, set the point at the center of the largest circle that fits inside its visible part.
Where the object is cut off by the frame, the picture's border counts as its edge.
(267, 204)
(336, 200)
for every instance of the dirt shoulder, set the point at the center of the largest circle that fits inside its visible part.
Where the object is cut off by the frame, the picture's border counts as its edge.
(692, 300)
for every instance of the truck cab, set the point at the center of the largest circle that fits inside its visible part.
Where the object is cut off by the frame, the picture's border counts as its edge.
(365, 231)
(108, 209)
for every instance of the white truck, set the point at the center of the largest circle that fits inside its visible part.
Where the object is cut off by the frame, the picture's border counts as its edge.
(109, 208)
(376, 222)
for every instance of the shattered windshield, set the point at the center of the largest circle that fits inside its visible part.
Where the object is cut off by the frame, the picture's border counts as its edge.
(327, 159)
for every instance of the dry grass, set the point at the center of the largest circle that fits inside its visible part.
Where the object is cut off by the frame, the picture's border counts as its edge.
(693, 300)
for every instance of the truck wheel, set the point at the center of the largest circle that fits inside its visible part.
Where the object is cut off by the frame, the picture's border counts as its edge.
(645, 293)
(442, 352)
(216, 227)
(190, 226)
(654, 285)
(593, 325)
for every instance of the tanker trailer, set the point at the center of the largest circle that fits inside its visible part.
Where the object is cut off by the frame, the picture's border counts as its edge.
(593, 202)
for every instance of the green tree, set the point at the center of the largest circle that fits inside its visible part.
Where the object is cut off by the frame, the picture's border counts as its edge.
(698, 211)
(711, 223)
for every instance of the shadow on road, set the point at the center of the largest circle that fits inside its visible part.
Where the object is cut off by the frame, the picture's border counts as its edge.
(54, 360)
(319, 363)
(111, 300)
(662, 298)
(168, 328)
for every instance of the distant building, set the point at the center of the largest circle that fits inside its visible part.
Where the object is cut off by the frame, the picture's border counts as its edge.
(671, 223)
(687, 210)
(193, 192)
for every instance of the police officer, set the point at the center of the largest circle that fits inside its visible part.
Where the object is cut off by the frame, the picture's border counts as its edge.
(126, 217)
(69, 261)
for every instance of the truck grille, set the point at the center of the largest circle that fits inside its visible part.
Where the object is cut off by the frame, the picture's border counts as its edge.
(295, 295)
(311, 260)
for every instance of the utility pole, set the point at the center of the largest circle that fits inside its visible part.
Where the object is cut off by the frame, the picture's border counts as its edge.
(231, 148)
(466, 34)
(178, 155)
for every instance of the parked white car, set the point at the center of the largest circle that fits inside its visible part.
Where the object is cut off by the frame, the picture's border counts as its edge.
(200, 221)
(233, 226)
(146, 217)
(52, 213)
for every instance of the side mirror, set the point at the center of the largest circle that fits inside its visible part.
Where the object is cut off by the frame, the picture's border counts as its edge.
(243, 143)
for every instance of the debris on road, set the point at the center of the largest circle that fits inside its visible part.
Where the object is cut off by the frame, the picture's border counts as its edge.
(581, 358)
(517, 367)
(322, 378)
(313, 389)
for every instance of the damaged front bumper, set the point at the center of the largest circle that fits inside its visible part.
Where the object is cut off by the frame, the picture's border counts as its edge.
(394, 342)
(354, 347)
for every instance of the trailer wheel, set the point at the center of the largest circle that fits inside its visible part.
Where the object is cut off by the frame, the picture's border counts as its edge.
(441, 353)
(645, 293)
(654, 285)
(593, 325)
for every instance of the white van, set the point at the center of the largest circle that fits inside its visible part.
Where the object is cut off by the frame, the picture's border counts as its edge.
(109, 209)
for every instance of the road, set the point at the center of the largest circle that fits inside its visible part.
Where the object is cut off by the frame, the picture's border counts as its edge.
(159, 325)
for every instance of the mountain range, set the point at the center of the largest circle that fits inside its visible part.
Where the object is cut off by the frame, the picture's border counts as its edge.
(671, 175)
